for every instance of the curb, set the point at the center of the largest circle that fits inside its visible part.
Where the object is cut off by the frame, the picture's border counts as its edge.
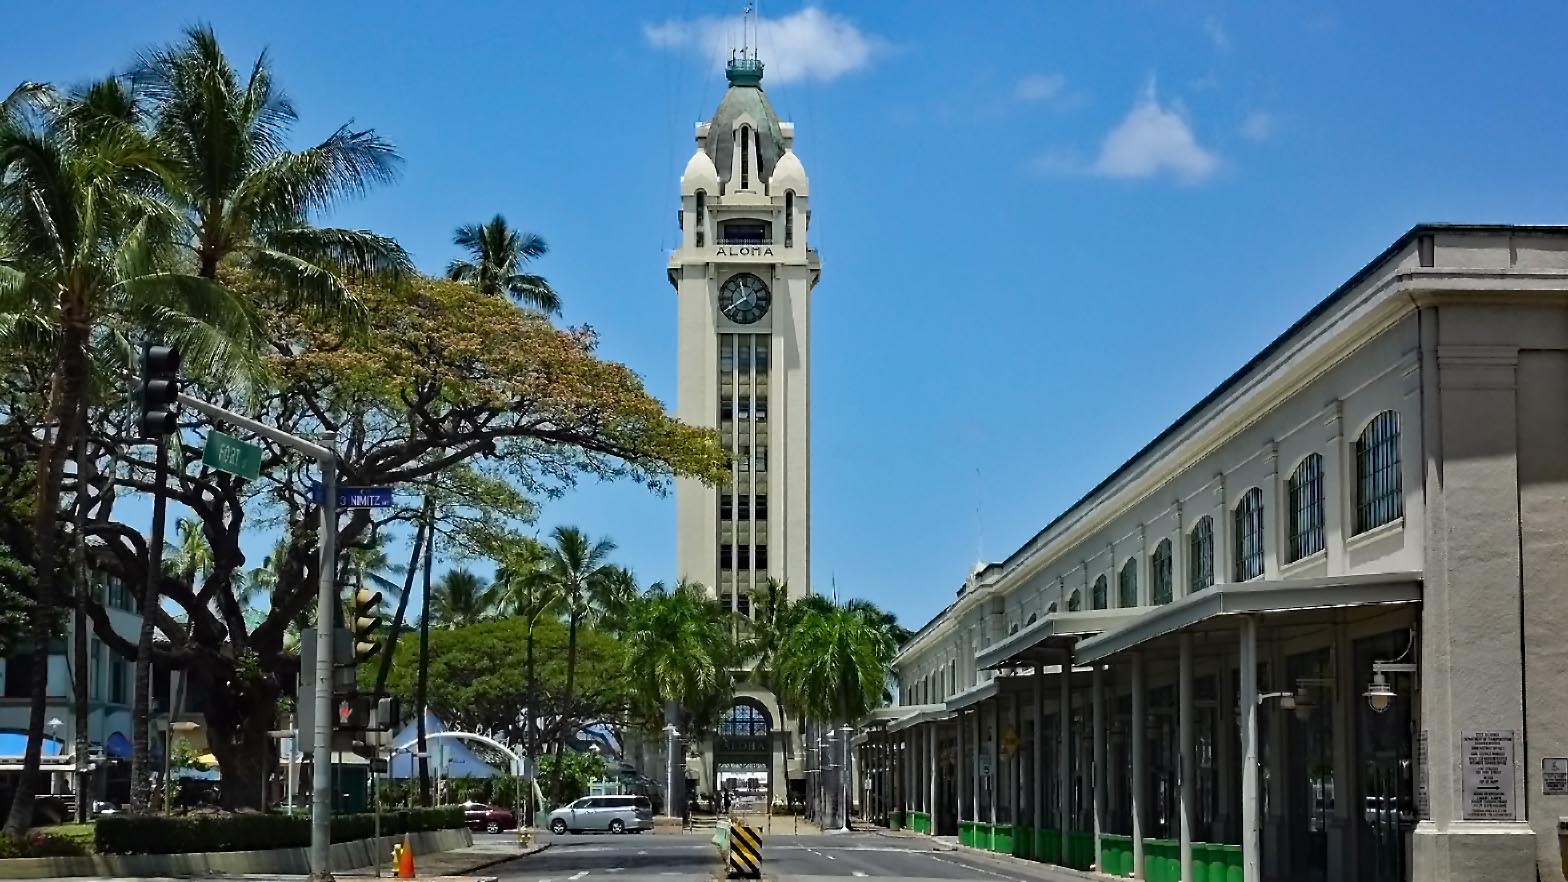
(527, 852)
(1048, 871)
(932, 843)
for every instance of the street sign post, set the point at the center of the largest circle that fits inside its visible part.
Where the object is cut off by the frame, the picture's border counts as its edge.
(357, 497)
(229, 454)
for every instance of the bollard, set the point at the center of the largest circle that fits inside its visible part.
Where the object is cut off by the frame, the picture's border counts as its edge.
(745, 852)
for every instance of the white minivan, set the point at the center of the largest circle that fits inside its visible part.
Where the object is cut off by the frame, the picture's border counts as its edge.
(617, 814)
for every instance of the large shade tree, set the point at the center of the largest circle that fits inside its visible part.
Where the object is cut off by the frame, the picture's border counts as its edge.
(453, 395)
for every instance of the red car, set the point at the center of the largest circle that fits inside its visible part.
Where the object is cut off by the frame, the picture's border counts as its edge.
(488, 818)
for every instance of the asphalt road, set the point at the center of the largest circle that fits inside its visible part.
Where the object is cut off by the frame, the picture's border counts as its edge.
(786, 858)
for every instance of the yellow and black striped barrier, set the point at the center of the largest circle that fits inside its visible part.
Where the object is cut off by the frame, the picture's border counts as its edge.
(745, 852)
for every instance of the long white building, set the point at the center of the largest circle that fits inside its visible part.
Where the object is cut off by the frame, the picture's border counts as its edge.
(1312, 631)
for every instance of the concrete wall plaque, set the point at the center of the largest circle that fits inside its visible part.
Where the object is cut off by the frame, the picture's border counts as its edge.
(1554, 775)
(1488, 773)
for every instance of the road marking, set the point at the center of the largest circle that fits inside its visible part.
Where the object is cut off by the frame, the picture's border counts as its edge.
(969, 867)
(578, 875)
(644, 851)
(857, 873)
(615, 869)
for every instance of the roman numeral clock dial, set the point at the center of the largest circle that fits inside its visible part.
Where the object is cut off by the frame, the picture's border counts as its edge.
(744, 298)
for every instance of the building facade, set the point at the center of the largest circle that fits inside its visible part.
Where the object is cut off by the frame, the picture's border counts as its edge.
(1312, 631)
(110, 690)
(743, 275)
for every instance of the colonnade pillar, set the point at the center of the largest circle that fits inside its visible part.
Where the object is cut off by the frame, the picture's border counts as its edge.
(1187, 767)
(1140, 766)
(1247, 705)
(1064, 719)
(1097, 774)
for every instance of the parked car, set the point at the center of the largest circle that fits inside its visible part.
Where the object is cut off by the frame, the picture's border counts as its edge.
(488, 818)
(616, 814)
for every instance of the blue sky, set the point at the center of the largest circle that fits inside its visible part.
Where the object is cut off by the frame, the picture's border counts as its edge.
(1046, 228)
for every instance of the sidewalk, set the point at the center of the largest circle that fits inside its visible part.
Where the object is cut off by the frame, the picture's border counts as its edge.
(457, 863)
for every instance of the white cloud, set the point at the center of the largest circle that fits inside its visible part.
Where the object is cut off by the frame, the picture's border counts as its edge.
(1258, 126)
(1154, 139)
(1039, 87)
(1216, 31)
(806, 45)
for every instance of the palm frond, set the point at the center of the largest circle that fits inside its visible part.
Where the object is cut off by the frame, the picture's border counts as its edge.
(309, 288)
(358, 251)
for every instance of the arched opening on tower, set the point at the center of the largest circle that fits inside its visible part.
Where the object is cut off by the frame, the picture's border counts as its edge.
(742, 753)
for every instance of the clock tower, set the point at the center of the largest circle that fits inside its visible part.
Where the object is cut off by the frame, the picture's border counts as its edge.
(743, 276)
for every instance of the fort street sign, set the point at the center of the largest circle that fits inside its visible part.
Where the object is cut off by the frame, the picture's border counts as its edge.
(229, 454)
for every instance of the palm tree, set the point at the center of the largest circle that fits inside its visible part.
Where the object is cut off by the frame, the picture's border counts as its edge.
(771, 618)
(498, 254)
(832, 666)
(460, 598)
(191, 558)
(578, 569)
(90, 261)
(523, 590)
(247, 199)
(680, 651)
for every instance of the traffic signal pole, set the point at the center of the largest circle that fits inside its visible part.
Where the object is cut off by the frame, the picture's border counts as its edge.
(326, 544)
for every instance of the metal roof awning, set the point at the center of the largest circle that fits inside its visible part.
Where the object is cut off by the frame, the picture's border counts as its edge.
(919, 713)
(1285, 601)
(1046, 639)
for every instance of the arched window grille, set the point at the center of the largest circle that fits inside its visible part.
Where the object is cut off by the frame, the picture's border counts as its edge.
(1127, 585)
(1249, 535)
(1161, 587)
(1097, 598)
(1379, 497)
(789, 218)
(1305, 491)
(1200, 555)
(745, 720)
(1051, 610)
(1075, 601)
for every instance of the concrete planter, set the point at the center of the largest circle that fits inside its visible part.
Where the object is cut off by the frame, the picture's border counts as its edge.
(283, 861)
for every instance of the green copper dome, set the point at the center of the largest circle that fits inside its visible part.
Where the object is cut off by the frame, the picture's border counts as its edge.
(745, 98)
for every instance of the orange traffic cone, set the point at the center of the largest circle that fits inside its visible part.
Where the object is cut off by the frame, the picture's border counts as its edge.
(405, 859)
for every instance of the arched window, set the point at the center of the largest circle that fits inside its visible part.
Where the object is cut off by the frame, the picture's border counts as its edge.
(1097, 598)
(702, 216)
(1033, 617)
(1161, 578)
(1127, 585)
(1075, 602)
(1013, 630)
(745, 157)
(1200, 555)
(1051, 610)
(745, 720)
(789, 218)
(1249, 535)
(1305, 491)
(1379, 498)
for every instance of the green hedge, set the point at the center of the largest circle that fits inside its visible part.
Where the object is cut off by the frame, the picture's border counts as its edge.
(160, 834)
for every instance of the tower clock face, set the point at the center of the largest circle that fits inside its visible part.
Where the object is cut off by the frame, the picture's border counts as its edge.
(744, 298)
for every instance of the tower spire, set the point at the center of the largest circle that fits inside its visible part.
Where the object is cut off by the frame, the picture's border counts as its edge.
(745, 67)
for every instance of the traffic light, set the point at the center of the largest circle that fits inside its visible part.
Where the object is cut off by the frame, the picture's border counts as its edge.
(367, 619)
(157, 389)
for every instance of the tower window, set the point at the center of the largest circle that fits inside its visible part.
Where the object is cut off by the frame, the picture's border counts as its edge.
(789, 218)
(726, 408)
(761, 355)
(726, 354)
(726, 557)
(762, 459)
(727, 506)
(762, 557)
(759, 408)
(744, 458)
(743, 604)
(759, 509)
(745, 157)
(745, 232)
(702, 216)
